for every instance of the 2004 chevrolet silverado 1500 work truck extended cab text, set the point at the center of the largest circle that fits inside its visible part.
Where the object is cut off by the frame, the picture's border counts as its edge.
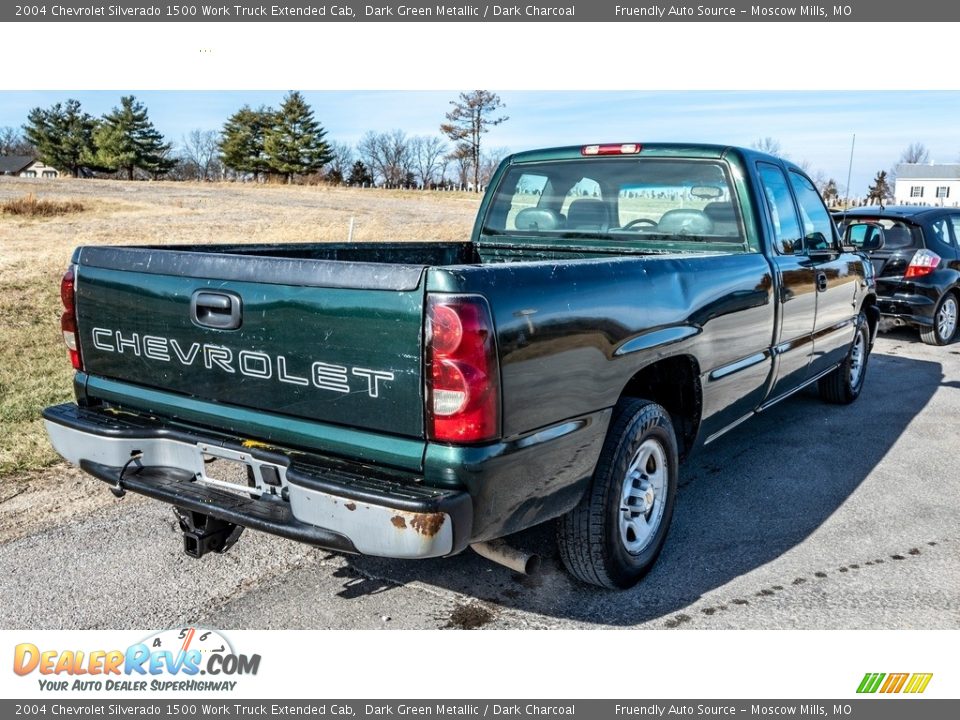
(617, 307)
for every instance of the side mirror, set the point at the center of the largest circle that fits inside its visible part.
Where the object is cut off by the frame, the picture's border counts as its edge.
(816, 244)
(865, 236)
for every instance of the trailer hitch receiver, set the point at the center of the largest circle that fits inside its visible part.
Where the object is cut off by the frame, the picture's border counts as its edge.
(204, 533)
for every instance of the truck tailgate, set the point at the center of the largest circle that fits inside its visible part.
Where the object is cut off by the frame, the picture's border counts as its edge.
(323, 340)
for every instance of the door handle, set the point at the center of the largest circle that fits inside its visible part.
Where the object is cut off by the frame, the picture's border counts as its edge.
(217, 310)
(821, 282)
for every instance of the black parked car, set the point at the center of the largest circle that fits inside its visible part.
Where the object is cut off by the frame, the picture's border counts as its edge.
(917, 267)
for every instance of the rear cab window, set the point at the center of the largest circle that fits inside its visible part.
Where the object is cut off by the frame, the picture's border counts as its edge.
(656, 204)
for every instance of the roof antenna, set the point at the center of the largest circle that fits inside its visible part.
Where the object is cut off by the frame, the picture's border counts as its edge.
(846, 203)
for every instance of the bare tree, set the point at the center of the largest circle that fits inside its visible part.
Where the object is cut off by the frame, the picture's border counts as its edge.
(370, 154)
(915, 154)
(201, 150)
(472, 117)
(462, 160)
(427, 153)
(489, 162)
(338, 169)
(819, 178)
(768, 145)
(388, 155)
(442, 166)
(12, 142)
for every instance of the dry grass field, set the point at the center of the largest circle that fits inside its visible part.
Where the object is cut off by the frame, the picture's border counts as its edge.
(34, 252)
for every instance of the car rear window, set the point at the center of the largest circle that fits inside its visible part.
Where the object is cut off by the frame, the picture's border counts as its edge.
(897, 234)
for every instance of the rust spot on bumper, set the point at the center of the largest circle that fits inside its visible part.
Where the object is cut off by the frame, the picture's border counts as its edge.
(428, 524)
(398, 522)
(351, 506)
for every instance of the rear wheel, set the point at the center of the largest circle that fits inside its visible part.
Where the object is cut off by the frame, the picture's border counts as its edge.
(843, 385)
(944, 322)
(613, 537)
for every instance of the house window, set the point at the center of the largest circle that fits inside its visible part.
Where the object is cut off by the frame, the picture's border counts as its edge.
(29, 173)
(943, 191)
(916, 191)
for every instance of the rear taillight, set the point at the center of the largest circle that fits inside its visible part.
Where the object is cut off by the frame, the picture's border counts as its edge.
(68, 321)
(462, 375)
(923, 263)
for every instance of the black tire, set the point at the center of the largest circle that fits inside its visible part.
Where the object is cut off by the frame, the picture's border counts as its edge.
(843, 385)
(934, 335)
(592, 542)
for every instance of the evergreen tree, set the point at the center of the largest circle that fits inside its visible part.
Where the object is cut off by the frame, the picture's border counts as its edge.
(359, 175)
(294, 143)
(241, 144)
(880, 190)
(62, 136)
(126, 140)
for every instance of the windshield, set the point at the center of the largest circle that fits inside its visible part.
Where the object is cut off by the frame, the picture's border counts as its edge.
(659, 203)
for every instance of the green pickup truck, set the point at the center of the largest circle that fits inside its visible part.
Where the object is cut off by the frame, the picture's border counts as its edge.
(617, 307)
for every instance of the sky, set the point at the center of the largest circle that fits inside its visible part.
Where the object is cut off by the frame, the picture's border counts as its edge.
(812, 127)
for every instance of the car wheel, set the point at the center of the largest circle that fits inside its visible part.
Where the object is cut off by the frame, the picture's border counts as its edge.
(944, 322)
(614, 535)
(843, 385)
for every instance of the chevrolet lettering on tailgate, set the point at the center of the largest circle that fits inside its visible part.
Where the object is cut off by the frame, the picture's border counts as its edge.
(250, 363)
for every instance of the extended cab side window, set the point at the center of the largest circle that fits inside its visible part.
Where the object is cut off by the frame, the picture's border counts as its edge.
(817, 225)
(783, 214)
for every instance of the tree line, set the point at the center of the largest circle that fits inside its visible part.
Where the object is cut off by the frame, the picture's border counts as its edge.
(264, 144)
(289, 144)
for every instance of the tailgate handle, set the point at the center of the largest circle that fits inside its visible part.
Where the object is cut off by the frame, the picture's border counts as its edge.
(218, 310)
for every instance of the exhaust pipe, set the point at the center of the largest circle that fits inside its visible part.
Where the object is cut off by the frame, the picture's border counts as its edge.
(501, 553)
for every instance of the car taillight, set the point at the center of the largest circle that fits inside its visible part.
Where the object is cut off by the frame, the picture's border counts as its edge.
(611, 149)
(462, 375)
(68, 321)
(923, 263)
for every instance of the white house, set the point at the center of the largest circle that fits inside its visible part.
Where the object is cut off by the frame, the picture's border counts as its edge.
(928, 185)
(26, 166)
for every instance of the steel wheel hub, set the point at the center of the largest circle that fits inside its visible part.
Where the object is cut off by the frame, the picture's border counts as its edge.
(642, 496)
